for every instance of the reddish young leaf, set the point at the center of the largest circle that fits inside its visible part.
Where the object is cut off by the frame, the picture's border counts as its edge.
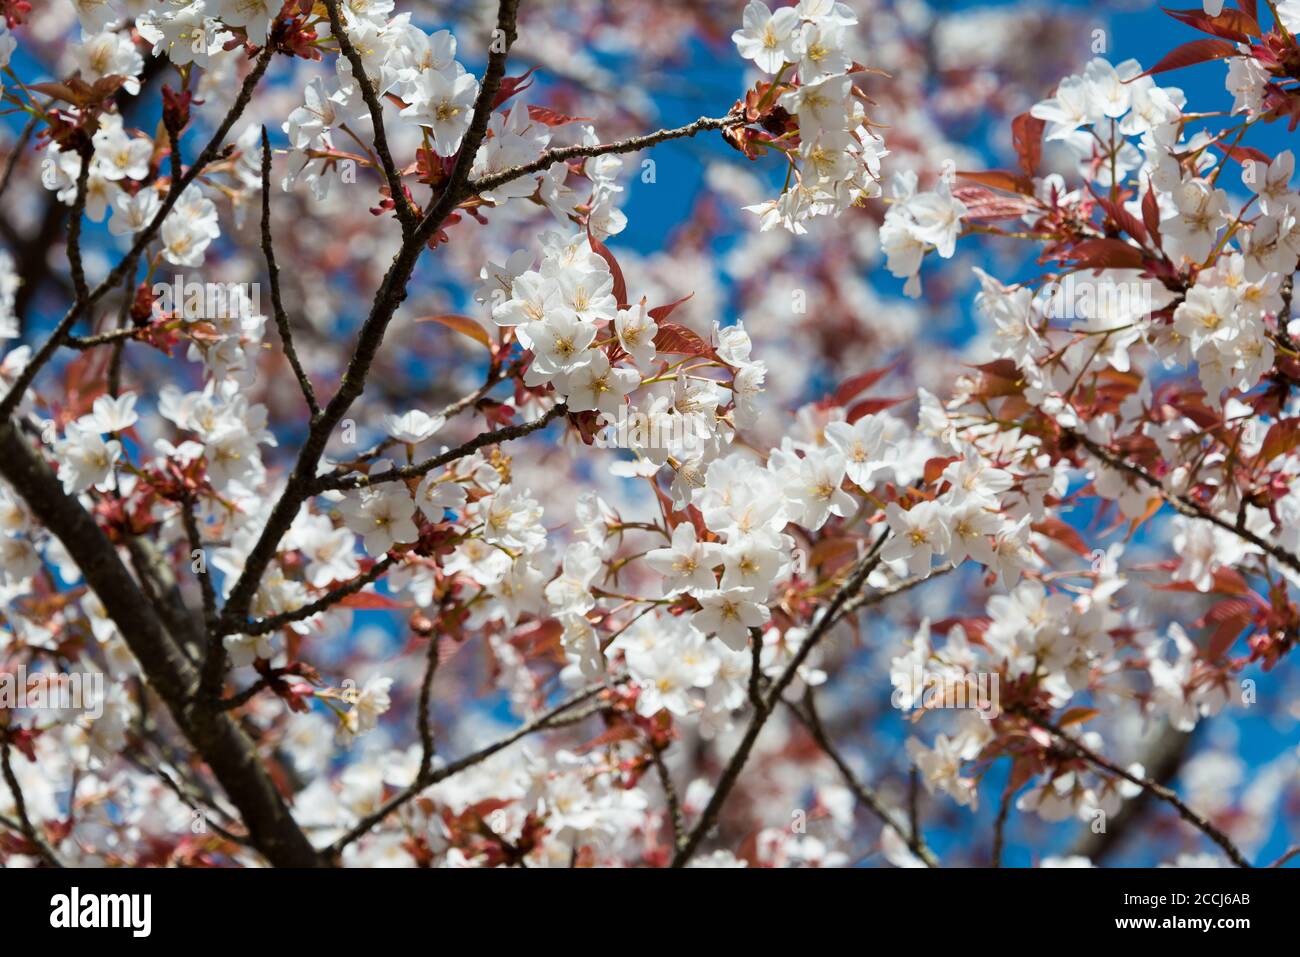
(511, 85)
(372, 600)
(464, 325)
(1244, 154)
(620, 284)
(677, 339)
(1230, 617)
(1001, 179)
(861, 382)
(1122, 218)
(1151, 214)
(1106, 254)
(1027, 137)
(1077, 716)
(1230, 24)
(660, 313)
(1227, 581)
(833, 553)
(619, 732)
(982, 203)
(549, 117)
(872, 406)
(1189, 54)
(934, 467)
(1281, 438)
(1058, 531)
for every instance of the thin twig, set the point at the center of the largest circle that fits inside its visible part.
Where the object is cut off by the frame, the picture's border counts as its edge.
(389, 296)
(630, 145)
(1000, 825)
(418, 469)
(112, 337)
(25, 825)
(264, 626)
(1158, 790)
(273, 276)
(242, 698)
(20, 144)
(846, 599)
(911, 835)
(191, 524)
(1186, 506)
(1293, 852)
(405, 215)
(25, 378)
(303, 480)
(670, 796)
(550, 719)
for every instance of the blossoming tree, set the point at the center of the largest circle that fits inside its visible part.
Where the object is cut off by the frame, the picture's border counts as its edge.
(413, 519)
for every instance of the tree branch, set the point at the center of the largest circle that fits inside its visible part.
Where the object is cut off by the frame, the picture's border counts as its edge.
(263, 626)
(142, 240)
(25, 825)
(670, 797)
(1187, 506)
(845, 600)
(418, 469)
(869, 799)
(551, 718)
(1000, 825)
(1158, 790)
(273, 276)
(630, 145)
(405, 215)
(11, 161)
(390, 295)
(217, 739)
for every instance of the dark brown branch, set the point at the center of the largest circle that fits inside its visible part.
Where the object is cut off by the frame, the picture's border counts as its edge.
(424, 721)
(142, 240)
(218, 740)
(866, 796)
(1159, 790)
(756, 675)
(452, 409)
(75, 265)
(670, 796)
(204, 576)
(1162, 762)
(1000, 825)
(405, 215)
(630, 145)
(846, 599)
(263, 626)
(113, 337)
(241, 698)
(416, 470)
(25, 825)
(1186, 506)
(193, 801)
(390, 295)
(11, 161)
(160, 588)
(273, 276)
(1293, 852)
(303, 481)
(552, 718)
